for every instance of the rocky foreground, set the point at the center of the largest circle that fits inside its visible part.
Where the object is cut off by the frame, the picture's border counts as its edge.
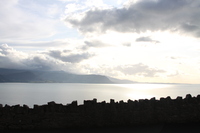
(96, 115)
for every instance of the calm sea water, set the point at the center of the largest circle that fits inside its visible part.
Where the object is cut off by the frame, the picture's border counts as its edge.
(65, 93)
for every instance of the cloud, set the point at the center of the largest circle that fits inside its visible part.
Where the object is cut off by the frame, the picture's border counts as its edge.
(31, 45)
(127, 44)
(40, 62)
(176, 57)
(140, 70)
(72, 8)
(94, 44)
(146, 39)
(84, 5)
(71, 61)
(189, 28)
(142, 16)
(5, 50)
(174, 74)
(23, 21)
(173, 58)
(11, 58)
(128, 70)
(67, 56)
(66, 0)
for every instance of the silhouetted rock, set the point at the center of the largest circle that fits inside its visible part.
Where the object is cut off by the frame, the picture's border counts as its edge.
(102, 114)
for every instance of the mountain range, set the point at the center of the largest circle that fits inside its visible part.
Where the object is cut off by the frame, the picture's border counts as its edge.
(37, 76)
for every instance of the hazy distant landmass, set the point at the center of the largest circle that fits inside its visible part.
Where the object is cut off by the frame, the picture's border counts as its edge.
(14, 75)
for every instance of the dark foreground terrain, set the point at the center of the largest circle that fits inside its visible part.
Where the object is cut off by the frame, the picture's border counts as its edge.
(167, 128)
(142, 116)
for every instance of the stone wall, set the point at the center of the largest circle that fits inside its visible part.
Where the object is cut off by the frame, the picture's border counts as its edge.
(101, 114)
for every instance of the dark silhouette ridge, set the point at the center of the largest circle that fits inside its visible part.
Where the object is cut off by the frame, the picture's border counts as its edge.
(93, 114)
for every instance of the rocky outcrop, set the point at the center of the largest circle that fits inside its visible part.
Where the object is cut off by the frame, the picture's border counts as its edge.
(101, 114)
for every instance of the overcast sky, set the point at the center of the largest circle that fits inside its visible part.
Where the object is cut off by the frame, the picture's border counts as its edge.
(139, 40)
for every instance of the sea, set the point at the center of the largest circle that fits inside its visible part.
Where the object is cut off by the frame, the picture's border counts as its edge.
(41, 93)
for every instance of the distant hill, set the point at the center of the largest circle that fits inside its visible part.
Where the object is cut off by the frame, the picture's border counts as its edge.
(121, 81)
(2, 78)
(36, 76)
(25, 76)
(12, 75)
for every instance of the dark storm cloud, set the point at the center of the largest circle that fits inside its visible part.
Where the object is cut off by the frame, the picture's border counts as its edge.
(140, 70)
(153, 15)
(67, 56)
(146, 39)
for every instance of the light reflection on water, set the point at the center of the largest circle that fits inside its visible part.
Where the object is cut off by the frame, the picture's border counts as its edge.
(144, 86)
(41, 93)
(146, 91)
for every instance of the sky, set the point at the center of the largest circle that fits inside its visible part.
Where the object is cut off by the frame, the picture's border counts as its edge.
(138, 40)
